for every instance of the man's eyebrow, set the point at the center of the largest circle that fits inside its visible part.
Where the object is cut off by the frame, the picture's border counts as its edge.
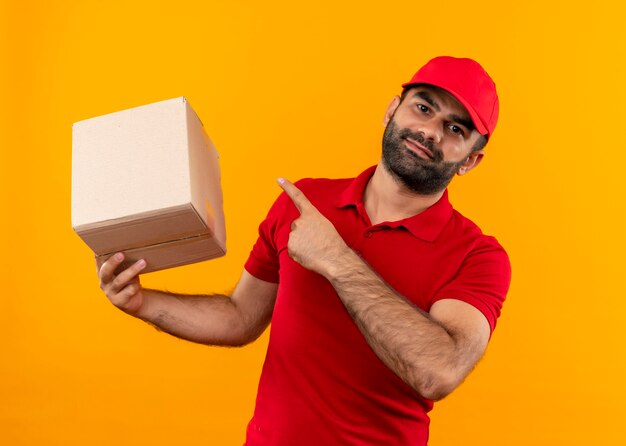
(428, 98)
(465, 122)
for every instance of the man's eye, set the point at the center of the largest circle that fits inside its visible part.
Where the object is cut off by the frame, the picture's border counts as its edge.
(422, 108)
(456, 129)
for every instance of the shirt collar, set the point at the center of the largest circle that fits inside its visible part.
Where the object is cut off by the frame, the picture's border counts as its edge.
(426, 225)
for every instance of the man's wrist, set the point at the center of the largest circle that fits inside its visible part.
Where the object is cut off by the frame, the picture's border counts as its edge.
(343, 266)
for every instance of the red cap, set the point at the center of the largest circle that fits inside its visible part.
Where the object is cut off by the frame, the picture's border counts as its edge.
(467, 81)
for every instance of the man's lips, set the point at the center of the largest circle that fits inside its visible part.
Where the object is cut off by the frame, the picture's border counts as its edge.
(419, 149)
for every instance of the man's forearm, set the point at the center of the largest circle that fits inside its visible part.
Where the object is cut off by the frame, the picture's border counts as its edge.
(205, 319)
(417, 348)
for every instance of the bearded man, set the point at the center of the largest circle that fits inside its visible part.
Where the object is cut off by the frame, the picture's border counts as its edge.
(382, 297)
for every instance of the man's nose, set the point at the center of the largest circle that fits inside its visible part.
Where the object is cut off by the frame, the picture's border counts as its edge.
(431, 130)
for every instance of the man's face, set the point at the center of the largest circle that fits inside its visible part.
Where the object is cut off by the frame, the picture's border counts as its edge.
(428, 139)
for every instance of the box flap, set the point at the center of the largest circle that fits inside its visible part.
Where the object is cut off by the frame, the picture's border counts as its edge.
(142, 230)
(168, 255)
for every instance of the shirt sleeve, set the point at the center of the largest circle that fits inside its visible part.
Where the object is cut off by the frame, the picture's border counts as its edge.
(482, 281)
(263, 262)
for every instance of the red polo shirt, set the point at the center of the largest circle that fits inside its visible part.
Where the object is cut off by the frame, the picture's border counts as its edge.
(321, 382)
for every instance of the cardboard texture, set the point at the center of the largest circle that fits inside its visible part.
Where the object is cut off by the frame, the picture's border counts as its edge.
(146, 181)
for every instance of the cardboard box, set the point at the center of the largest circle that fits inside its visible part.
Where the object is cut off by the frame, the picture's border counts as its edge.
(146, 181)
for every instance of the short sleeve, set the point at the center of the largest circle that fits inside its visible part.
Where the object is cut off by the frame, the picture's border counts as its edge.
(482, 281)
(263, 261)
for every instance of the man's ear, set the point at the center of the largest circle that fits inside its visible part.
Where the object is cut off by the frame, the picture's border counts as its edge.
(391, 109)
(472, 161)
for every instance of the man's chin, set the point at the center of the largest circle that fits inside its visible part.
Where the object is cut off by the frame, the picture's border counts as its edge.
(418, 180)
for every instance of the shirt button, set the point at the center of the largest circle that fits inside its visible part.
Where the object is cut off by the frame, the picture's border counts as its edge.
(368, 234)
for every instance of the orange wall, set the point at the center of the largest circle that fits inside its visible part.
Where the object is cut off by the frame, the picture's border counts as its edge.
(299, 89)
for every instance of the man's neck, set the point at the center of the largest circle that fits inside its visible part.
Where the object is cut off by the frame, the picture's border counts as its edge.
(386, 199)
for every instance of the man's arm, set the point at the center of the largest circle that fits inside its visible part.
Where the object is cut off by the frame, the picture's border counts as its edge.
(212, 320)
(432, 352)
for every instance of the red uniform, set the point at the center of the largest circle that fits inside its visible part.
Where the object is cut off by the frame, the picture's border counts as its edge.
(321, 382)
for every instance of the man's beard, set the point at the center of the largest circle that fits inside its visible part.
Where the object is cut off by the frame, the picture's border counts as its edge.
(422, 176)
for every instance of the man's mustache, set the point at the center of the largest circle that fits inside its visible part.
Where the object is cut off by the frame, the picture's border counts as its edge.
(419, 137)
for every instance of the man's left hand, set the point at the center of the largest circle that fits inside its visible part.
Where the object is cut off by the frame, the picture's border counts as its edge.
(313, 242)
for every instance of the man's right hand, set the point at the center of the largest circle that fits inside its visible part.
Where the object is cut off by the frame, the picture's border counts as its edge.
(124, 289)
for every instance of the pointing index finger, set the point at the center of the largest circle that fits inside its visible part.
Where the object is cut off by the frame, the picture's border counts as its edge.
(296, 195)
